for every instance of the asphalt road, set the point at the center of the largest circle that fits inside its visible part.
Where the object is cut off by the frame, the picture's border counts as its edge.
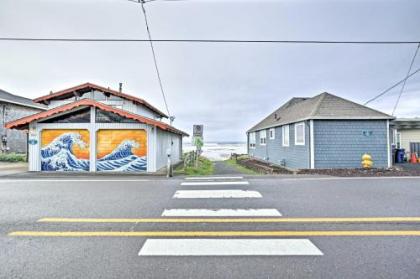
(34, 247)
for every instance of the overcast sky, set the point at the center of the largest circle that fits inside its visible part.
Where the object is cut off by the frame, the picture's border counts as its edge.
(226, 87)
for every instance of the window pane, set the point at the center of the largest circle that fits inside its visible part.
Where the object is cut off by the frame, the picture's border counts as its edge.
(300, 134)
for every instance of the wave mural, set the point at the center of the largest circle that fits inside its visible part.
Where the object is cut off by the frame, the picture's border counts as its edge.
(121, 150)
(64, 150)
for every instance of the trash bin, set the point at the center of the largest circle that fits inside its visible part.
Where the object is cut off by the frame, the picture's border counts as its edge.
(399, 156)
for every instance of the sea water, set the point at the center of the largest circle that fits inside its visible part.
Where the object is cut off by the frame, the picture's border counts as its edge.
(217, 151)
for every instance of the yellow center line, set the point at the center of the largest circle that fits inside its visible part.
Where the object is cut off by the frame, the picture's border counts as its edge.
(209, 233)
(234, 220)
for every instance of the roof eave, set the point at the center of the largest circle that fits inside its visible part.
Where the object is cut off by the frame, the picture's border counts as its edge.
(23, 104)
(100, 88)
(23, 122)
(319, 118)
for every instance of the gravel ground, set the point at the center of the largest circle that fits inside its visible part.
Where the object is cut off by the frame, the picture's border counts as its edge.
(362, 172)
(400, 170)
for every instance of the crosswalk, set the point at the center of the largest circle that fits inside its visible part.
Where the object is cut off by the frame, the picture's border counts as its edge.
(223, 212)
(223, 246)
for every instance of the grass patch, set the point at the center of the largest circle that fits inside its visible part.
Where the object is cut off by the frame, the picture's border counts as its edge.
(12, 157)
(205, 167)
(233, 163)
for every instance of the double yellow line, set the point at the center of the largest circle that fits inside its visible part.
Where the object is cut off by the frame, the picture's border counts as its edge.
(212, 233)
(235, 220)
(308, 233)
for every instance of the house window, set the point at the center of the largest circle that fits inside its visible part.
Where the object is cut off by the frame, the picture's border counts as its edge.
(272, 133)
(300, 133)
(263, 137)
(285, 135)
(252, 140)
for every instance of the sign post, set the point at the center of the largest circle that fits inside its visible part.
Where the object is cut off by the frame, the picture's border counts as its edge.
(197, 141)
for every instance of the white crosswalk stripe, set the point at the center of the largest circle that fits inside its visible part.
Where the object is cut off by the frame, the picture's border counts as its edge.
(214, 183)
(217, 194)
(214, 178)
(229, 247)
(261, 212)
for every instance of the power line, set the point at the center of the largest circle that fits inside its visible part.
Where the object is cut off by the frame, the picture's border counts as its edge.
(392, 87)
(154, 59)
(405, 80)
(34, 39)
(147, 1)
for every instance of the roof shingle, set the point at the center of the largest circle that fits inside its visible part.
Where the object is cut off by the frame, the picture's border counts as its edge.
(19, 100)
(323, 106)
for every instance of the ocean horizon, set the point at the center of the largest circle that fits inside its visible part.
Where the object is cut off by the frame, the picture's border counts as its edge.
(218, 151)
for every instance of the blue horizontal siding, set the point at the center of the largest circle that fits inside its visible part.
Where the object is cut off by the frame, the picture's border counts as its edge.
(341, 143)
(295, 156)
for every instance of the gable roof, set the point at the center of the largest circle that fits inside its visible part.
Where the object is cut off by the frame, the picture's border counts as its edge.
(87, 87)
(323, 106)
(19, 100)
(22, 123)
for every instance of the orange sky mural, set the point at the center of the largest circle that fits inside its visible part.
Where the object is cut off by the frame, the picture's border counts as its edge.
(108, 140)
(47, 136)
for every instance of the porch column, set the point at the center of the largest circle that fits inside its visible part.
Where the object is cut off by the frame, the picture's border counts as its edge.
(92, 140)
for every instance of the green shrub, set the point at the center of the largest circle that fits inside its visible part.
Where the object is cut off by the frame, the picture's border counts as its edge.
(12, 157)
(204, 167)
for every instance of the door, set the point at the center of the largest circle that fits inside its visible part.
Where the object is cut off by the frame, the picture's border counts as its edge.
(64, 150)
(121, 150)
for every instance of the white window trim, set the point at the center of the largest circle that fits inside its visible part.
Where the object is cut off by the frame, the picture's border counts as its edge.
(252, 140)
(273, 134)
(388, 144)
(296, 126)
(263, 132)
(283, 135)
(312, 143)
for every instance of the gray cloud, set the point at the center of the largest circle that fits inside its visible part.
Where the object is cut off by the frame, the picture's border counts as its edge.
(228, 87)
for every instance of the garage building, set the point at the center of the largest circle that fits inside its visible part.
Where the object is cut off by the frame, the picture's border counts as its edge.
(93, 128)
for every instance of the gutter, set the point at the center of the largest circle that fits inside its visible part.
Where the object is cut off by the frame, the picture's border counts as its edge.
(23, 105)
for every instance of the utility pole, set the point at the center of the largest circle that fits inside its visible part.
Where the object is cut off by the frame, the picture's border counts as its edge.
(169, 151)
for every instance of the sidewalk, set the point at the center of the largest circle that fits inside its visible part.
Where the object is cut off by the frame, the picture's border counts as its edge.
(9, 168)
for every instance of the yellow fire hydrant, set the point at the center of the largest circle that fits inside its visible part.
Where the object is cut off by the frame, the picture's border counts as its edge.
(367, 161)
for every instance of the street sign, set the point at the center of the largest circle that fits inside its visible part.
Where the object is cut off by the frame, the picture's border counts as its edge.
(198, 131)
(198, 137)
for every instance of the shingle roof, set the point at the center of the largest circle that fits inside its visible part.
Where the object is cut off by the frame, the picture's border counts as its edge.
(322, 106)
(19, 100)
(87, 87)
(23, 122)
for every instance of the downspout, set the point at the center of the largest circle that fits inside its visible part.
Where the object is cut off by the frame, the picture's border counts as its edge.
(388, 143)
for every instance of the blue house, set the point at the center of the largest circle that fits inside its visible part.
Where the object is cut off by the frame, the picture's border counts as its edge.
(321, 132)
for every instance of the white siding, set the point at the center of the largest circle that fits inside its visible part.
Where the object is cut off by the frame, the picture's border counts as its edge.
(164, 140)
(113, 101)
(407, 136)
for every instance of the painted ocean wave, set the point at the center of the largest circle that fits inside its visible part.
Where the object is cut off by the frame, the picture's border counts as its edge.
(123, 159)
(58, 155)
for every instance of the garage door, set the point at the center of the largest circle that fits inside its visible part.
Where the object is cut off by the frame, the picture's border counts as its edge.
(121, 150)
(65, 150)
